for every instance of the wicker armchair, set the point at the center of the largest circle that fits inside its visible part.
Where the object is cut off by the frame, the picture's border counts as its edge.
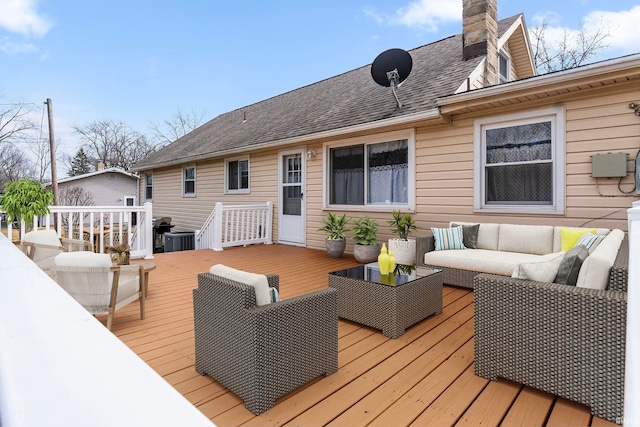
(263, 352)
(561, 339)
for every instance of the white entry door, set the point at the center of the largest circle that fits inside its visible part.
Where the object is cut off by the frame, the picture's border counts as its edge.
(291, 210)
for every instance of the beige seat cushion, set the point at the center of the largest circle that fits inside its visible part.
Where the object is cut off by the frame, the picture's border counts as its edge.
(258, 281)
(483, 260)
(594, 272)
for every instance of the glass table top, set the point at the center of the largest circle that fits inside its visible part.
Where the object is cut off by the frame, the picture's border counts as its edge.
(371, 273)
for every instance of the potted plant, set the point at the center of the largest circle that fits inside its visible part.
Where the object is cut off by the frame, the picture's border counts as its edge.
(120, 253)
(24, 199)
(404, 249)
(335, 226)
(366, 247)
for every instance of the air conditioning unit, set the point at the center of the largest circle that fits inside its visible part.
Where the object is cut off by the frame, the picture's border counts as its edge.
(179, 241)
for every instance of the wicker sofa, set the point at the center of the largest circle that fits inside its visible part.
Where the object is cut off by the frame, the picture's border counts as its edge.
(564, 340)
(261, 352)
(501, 247)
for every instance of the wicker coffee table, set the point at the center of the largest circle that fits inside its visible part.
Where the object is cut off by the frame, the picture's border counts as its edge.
(391, 303)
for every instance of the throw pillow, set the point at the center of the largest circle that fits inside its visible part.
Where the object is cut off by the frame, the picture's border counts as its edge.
(447, 238)
(469, 234)
(570, 265)
(590, 240)
(569, 236)
(544, 269)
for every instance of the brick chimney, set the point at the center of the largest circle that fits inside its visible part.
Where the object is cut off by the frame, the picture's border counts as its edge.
(480, 35)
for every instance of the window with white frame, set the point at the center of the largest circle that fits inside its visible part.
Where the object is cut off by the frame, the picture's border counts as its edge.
(371, 172)
(520, 163)
(504, 65)
(148, 186)
(236, 175)
(189, 181)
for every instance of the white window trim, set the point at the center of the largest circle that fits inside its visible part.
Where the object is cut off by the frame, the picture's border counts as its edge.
(147, 186)
(226, 175)
(125, 198)
(195, 175)
(508, 58)
(409, 135)
(557, 117)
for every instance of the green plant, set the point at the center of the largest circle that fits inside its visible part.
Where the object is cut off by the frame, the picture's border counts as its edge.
(335, 226)
(119, 251)
(24, 199)
(365, 231)
(402, 224)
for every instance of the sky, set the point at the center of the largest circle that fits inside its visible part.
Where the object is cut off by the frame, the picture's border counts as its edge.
(140, 61)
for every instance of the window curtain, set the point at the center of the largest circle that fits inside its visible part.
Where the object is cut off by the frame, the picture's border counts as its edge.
(510, 174)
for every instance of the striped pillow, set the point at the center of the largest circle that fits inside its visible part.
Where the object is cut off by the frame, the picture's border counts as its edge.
(448, 238)
(590, 240)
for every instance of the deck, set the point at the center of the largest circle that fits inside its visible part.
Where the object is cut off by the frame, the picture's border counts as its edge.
(424, 378)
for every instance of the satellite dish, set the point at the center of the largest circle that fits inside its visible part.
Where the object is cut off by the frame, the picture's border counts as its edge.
(391, 68)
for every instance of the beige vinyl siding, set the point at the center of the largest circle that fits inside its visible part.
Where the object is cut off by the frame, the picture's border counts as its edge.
(190, 213)
(597, 124)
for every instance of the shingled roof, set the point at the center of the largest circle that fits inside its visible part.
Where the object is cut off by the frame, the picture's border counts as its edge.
(349, 99)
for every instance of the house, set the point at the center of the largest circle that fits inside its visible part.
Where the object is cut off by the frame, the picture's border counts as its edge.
(343, 145)
(104, 187)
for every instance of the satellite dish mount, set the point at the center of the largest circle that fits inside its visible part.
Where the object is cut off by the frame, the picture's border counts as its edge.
(391, 68)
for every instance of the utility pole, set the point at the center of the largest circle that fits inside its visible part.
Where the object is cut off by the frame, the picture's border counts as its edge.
(52, 149)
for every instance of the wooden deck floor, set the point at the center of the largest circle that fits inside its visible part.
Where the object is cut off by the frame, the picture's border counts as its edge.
(424, 378)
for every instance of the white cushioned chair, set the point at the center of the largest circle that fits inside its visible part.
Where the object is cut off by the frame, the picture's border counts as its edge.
(98, 286)
(42, 246)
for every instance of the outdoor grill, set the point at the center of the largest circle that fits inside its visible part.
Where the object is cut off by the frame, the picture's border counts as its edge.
(161, 225)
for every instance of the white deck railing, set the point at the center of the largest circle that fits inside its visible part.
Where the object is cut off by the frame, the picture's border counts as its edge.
(236, 225)
(632, 371)
(59, 366)
(101, 225)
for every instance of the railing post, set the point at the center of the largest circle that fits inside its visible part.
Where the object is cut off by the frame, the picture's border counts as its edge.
(269, 223)
(217, 228)
(148, 230)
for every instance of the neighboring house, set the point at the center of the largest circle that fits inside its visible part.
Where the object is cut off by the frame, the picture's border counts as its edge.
(479, 137)
(107, 187)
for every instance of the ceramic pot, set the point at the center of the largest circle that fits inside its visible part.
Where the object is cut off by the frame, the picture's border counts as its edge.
(366, 253)
(403, 250)
(335, 248)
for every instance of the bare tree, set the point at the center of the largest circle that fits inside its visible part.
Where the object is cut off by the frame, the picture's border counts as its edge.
(176, 127)
(114, 143)
(41, 149)
(567, 50)
(14, 164)
(74, 196)
(15, 122)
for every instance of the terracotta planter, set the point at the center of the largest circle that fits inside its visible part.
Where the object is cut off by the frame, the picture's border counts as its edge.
(335, 248)
(403, 250)
(366, 253)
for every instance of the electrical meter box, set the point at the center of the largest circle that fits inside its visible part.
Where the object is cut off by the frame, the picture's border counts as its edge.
(609, 165)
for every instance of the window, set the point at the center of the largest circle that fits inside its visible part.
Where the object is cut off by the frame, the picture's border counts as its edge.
(189, 181)
(372, 172)
(504, 67)
(129, 200)
(237, 175)
(148, 186)
(520, 163)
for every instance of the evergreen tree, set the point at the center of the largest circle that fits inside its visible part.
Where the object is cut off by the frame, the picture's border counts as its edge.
(80, 164)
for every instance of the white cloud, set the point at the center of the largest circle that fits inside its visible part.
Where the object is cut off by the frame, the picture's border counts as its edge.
(12, 48)
(425, 14)
(22, 17)
(622, 27)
